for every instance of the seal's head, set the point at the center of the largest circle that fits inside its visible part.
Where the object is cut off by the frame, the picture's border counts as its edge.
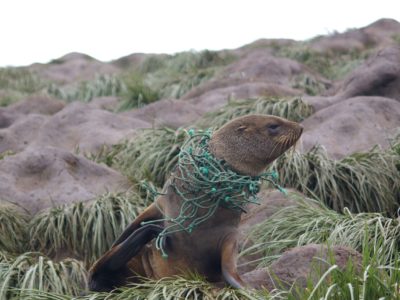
(249, 143)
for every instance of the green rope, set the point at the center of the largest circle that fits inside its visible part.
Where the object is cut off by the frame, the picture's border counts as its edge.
(206, 182)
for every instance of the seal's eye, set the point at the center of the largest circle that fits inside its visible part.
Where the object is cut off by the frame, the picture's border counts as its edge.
(273, 128)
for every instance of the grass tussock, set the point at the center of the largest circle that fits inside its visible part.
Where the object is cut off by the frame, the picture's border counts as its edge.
(171, 76)
(166, 288)
(310, 85)
(163, 76)
(291, 109)
(149, 156)
(32, 276)
(362, 182)
(373, 281)
(332, 65)
(21, 275)
(13, 229)
(180, 288)
(84, 230)
(136, 93)
(19, 79)
(102, 85)
(309, 221)
(17, 83)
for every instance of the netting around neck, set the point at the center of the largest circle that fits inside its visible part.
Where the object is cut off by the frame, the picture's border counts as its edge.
(204, 182)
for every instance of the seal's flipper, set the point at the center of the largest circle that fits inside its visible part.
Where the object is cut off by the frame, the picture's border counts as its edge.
(228, 262)
(111, 269)
(123, 252)
(150, 213)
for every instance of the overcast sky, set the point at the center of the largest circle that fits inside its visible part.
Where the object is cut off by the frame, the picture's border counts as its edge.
(40, 30)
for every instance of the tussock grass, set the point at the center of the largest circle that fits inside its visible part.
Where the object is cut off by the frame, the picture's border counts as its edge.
(32, 271)
(102, 85)
(16, 83)
(362, 182)
(13, 229)
(373, 282)
(292, 109)
(19, 79)
(171, 76)
(136, 93)
(85, 230)
(149, 156)
(180, 288)
(311, 222)
(332, 65)
(310, 85)
(167, 288)
(6, 153)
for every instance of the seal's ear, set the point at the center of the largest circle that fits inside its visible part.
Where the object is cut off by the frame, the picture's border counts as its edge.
(241, 128)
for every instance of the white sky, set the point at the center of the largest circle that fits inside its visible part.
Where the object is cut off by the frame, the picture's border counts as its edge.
(40, 30)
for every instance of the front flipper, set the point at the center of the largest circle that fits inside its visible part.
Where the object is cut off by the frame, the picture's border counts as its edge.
(228, 262)
(123, 252)
(111, 269)
(150, 213)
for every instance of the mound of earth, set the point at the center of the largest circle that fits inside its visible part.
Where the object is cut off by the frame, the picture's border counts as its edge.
(21, 132)
(109, 103)
(73, 67)
(7, 117)
(378, 76)
(135, 60)
(272, 89)
(300, 264)
(219, 97)
(258, 73)
(20, 122)
(353, 125)
(260, 65)
(86, 128)
(44, 177)
(377, 34)
(76, 127)
(39, 105)
(265, 44)
(166, 113)
(42, 105)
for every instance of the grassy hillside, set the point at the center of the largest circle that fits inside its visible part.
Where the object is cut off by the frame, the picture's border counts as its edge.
(353, 201)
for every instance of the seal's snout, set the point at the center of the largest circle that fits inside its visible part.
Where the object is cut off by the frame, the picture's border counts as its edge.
(298, 132)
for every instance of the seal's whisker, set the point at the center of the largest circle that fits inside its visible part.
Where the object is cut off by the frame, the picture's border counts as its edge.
(273, 149)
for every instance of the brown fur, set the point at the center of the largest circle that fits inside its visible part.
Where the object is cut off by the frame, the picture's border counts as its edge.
(248, 144)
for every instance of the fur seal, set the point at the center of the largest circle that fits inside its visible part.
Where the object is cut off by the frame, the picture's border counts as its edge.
(248, 145)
